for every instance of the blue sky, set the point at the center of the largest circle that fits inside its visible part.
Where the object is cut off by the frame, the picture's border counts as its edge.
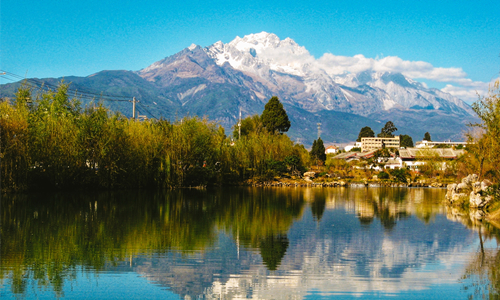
(458, 40)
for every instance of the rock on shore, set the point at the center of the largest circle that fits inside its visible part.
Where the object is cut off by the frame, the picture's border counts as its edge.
(470, 189)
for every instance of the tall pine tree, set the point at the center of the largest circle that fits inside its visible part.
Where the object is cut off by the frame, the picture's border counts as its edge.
(274, 117)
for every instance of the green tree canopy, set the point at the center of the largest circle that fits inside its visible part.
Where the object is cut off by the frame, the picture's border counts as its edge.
(249, 124)
(274, 117)
(387, 130)
(427, 137)
(405, 141)
(318, 150)
(365, 132)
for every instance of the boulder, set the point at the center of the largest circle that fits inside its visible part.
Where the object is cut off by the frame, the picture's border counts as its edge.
(475, 200)
(476, 187)
(479, 201)
(485, 184)
(310, 174)
(461, 187)
(470, 179)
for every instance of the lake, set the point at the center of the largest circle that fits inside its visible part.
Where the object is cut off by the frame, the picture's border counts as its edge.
(239, 243)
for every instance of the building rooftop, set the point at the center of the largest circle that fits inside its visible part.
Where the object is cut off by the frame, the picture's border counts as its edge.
(412, 153)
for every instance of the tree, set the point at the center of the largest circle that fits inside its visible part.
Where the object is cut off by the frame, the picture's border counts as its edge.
(274, 117)
(484, 143)
(318, 150)
(405, 141)
(387, 130)
(427, 137)
(249, 124)
(365, 132)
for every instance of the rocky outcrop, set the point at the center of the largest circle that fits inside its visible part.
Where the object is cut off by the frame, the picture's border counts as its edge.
(308, 176)
(471, 190)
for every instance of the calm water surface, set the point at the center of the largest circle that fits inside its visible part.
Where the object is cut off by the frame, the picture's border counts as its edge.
(284, 243)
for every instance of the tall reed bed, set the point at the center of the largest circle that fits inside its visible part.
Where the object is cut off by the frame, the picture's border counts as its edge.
(49, 141)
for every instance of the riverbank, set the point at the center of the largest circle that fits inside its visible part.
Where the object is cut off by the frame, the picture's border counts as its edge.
(307, 182)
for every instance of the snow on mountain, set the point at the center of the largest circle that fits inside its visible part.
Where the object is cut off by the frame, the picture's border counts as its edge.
(318, 86)
(257, 52)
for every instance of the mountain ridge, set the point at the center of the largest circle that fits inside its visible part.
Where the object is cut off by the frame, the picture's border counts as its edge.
(219, 80)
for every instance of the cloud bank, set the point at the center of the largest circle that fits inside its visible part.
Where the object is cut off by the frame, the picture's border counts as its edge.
(458, 83)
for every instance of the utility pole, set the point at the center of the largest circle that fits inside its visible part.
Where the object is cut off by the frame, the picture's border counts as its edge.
(319, 129)
(133, 108)
(239, 127)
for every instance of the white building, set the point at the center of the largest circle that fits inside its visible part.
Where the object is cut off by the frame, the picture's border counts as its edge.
(372, 143)
(349, 147)
(332, 150)
(430, 144)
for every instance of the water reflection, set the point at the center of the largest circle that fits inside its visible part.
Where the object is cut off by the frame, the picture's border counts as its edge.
(260, 243)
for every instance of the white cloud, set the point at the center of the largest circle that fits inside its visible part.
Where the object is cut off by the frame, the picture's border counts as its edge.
(336, 65)
(470, 90)
(459, 85)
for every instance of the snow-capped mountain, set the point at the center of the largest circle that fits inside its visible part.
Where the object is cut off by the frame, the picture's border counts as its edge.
(291, 72)
(220, 80)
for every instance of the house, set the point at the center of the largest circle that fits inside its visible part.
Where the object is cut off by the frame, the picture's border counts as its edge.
(331, 149)
(394, 163)
(373, 143)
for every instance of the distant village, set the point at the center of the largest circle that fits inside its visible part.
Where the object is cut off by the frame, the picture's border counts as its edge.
(397, 157)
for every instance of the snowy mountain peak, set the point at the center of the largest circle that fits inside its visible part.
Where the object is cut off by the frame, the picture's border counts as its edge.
(258, 53)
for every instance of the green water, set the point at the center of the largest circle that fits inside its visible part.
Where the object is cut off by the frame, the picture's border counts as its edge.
(282, 243)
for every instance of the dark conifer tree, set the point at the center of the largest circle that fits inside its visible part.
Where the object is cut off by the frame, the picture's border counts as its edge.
(274, 117)
(365, 132)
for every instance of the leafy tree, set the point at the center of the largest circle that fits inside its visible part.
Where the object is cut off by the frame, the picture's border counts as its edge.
(249, 124)
(293, 162)
(427, 137)
(365, 132)
(484, 143)
(274, 117)
(405, 141)
(387, 130)
(383, 175)
(400, 174)
(318, 150)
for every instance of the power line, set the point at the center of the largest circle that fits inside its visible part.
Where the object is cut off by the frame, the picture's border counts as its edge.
(37, 83)
(89, 95)
(147, 110)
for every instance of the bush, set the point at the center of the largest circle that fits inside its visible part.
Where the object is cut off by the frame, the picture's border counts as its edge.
(383, 175)
(400, 174)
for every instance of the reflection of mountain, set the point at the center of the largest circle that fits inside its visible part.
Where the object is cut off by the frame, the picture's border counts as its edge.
(338, 256)
(260, 243)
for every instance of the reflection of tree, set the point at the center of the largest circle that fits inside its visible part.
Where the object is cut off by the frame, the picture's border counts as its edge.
(318, 208)
(46, 239)
(386, 204)
(482, 276)
(273, 249)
